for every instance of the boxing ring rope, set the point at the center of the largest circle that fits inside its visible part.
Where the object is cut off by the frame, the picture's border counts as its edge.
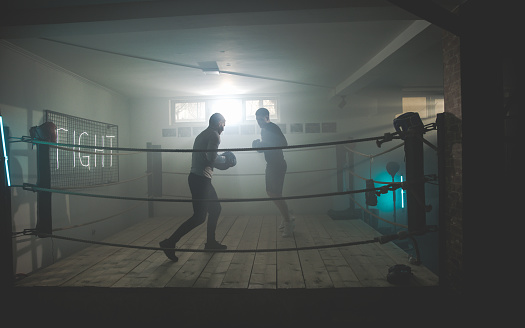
(383, 189)
(94, 221)
(87, 223)
(252, 174)
(197, 250)
(104, 184)
(187, 150)
(324, 170)
(377, 190)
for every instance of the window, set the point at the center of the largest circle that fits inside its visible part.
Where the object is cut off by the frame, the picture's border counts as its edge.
(251, 106)
(235, 110)
(426, 107)
(187, 111)
(231, 109)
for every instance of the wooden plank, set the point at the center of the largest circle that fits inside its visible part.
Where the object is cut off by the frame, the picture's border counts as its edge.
(66, 269)
(196, 262)
(422, 275)
(161, 270)
(240, 269)
(344, 231)
(382, 257)
(216, 268)
(144, 274)
(314, 270)
(339, 270)
(289, 272)
(111, 269)
(264, 271)
(377, 260)
(353, 266)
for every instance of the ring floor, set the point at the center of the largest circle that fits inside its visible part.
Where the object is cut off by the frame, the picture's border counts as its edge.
(343, 267)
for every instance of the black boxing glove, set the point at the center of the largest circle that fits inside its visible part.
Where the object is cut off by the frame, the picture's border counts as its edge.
(231, 160)
(221, 163)
(225, 160)
(257, 144)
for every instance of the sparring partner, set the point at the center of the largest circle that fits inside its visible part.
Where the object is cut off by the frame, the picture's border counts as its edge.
(272, 136)
(199, 180)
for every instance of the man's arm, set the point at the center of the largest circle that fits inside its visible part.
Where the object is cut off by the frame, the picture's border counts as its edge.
(273, 137)
(212, 156)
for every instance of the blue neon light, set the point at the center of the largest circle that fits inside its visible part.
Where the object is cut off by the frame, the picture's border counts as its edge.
(402, 196)
(5, 152)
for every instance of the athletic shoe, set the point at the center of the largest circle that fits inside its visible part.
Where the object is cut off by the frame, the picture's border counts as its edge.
(168, 249)
(281, 227)
(292, 218)
(214, 245)
(288, 228)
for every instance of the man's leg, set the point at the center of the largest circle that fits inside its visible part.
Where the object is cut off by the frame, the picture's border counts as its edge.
(198, 190)
(214, 211)
(281, 204)
(274, 188)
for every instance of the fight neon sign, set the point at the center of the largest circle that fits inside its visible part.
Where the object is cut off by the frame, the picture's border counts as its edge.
(83, 156)
(76, 165)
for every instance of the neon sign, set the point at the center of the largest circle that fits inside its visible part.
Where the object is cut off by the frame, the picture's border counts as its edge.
(4, 152)
(77, 166)
(82, 156)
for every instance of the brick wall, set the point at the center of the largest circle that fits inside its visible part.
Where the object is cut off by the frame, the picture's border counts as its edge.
(451, 209)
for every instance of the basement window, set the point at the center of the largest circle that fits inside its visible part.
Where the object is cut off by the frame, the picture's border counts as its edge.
(235, 110)
(426, 107)
(251, 106)
(187, 111)
(231, 109)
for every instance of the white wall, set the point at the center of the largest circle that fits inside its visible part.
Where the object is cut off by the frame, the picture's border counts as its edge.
(364, 116)
(30, 85)
(35, 85)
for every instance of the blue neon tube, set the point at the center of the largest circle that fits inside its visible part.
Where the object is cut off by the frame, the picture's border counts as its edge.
(5, 152)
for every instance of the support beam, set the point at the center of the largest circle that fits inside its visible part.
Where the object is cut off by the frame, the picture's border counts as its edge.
(18, 15)
(431, 12)
(413, 30)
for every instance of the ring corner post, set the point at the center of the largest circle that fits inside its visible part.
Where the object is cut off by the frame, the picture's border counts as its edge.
(154, 169)
(44, 223)
(416, 212)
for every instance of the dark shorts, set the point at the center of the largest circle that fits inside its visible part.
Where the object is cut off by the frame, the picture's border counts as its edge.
(201, 188)
(275, 178)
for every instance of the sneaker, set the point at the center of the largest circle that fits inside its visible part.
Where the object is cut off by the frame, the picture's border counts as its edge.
(292, 218)
(214, 245)
(281, 227)
(288, 228)
(169, 250)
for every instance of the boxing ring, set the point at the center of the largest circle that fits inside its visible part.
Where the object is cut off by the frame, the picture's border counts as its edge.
(335, 250)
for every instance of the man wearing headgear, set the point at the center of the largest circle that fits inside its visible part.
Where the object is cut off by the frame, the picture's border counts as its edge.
(272, 136)
(199, 180)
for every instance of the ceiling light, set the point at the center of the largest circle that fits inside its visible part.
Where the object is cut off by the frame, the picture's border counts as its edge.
(209, 67)
(211, 71)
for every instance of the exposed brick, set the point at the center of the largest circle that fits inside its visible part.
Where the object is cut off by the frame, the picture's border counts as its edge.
(452, 273)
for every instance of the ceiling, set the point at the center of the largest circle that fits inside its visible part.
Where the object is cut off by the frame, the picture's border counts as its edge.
(165, 48)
